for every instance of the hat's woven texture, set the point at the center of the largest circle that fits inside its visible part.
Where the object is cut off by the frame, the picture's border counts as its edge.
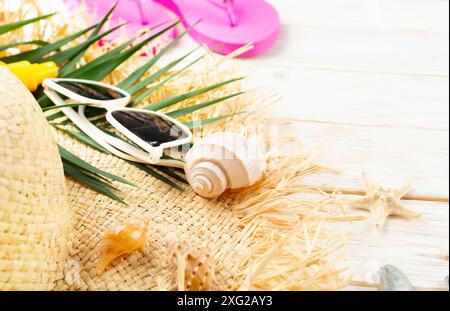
(34, 214)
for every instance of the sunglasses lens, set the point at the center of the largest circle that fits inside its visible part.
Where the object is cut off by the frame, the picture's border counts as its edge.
(90, 90)
(149, 127)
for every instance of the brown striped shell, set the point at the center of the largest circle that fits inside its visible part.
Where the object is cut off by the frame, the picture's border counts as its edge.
(194, 267)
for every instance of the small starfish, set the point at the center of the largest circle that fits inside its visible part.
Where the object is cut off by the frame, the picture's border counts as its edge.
(383, 202)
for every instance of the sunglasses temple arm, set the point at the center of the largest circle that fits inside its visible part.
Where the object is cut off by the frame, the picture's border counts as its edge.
(171, 163)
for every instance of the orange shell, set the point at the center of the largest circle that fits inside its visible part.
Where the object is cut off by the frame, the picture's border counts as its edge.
(121, 240)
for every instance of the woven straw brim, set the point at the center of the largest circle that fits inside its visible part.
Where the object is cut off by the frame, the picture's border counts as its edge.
(34, 214)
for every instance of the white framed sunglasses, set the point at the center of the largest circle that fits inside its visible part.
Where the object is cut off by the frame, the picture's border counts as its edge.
(152, 131)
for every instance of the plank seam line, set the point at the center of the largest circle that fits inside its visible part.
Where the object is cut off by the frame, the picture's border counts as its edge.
(344, 191)
(299, 120)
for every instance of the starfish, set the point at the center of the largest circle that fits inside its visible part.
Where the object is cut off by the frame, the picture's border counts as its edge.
(383, 202)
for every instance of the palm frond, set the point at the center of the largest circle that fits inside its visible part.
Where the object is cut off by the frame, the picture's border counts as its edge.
(199, 123)
(66, 155)
(83, 138)
(135, 76)
(32, 42)
(174, 100)
(149, 91)
(16, 25)
(184, 111)
(77, 50)
(75, 60)
(37, 55)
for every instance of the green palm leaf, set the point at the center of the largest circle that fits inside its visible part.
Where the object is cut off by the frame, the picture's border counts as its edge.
(184, 111)
(149, 91)
(74, 61)
(66, 155)
(33, 42)
(37, 55)
(76, 51)
(16, 25)
(92, 182)
(135, 76)
(171, 101)
(199, 123)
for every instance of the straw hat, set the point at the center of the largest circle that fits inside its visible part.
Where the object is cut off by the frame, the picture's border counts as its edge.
(34, 214)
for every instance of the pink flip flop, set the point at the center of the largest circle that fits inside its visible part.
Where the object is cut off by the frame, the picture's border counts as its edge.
(138, 14)
(227, 25)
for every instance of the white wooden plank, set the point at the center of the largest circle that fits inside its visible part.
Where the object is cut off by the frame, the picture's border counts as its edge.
(391, 156)
(366, 50)
(415, 247)
(381, 14)
(393, 36)
(356, 97)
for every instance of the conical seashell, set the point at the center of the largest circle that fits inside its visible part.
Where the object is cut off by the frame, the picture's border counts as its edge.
(224, 161)
(194, 267)
(121, 240)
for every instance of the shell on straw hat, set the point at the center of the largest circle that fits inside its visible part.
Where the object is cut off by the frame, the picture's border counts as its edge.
(34, 215)
(224, 161)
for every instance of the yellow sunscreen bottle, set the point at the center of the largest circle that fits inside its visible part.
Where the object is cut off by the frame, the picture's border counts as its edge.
(32, 75)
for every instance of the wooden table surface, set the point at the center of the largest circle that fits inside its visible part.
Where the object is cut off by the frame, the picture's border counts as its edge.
(370, 79)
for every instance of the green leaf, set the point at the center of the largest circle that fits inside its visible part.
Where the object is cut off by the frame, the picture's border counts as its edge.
(171, 173)
(199, 123)
(37, 55)
(99, 60)
(171, 101)
(142, 84)
(151, 172)
(33, 42)
(75, 51)
(135, 76)
(91, 182)
(184, 111)
(84, 139)
(99, 120)
(15, 25)
(101, 70)
(86, 166)
(145, 94)
(54, 116)
(70, 66)
(62, 106)
(104, 19)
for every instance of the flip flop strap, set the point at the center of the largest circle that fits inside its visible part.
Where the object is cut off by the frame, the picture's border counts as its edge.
(141, 12)
(229, 7)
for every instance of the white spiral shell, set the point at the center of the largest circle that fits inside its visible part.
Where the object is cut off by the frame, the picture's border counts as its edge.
(223, 161)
